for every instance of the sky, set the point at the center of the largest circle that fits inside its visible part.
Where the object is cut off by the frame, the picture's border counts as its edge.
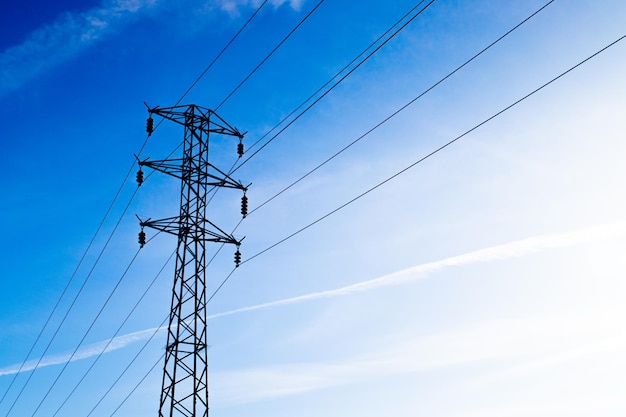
(484, 279)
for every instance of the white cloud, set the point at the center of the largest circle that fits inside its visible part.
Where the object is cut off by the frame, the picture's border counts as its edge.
(547, 341)
(506, 251)
(83, 353)
(519, 347)
(233, 7)
(61, 40)
(596, 347)
(72, 33)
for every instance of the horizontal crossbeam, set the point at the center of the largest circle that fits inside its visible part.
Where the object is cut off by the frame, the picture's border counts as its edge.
(178, 227)
(203, 175)
(207, 119)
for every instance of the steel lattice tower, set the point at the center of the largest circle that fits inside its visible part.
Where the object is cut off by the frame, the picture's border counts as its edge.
(185, 376)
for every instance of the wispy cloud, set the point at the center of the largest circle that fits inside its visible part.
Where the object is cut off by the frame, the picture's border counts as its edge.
(510, 250)
(72, 33)
(229, 4)
(63, 39)
(506, 251)
(543, 342)
(594, 348)
(85, 352)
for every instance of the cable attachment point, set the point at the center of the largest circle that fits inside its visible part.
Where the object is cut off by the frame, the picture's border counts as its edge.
(142, 238)
(142, 234)
(240, 148)
(237, 258)
(244, 205)
(140, 177)
(150, 125)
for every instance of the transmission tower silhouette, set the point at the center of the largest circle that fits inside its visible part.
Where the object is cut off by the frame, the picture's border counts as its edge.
(185, 374)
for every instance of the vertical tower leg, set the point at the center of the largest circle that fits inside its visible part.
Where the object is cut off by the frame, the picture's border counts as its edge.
(185, 390)
(185, 378)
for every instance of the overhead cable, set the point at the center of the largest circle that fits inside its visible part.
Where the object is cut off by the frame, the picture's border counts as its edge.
(117, 380)
(304, 19)
(73, 355)
(63, 293)
(221, 52)
(426, 156)
(333, 86)
(138, 384)
(434, 152)
(402, 171)
(99, 228)
(71, 306)
(450, 74)
(112, 338)
(348, 65)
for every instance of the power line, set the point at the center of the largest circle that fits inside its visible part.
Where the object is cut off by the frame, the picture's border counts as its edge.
(105, 217)
(267, 57)
(87, 332)
(378, 125)
(402, 171)
(208, 67)
(72, 304)
(250, 147)
(431, 154)
(477, 126)
(233, 169)
(145, 344)
(221, 52)
(333, 87)
(137, 385)
(128, 367)
(94, 320)
(80, 262)
(450, 74)
(304, 19)
(386, 119)
(104, 349)
(156, 330)
(361, 137)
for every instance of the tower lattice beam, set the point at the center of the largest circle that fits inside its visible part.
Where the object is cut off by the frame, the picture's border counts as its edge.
(185, 375)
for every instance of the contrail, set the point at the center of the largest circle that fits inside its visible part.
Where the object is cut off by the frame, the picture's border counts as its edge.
(67, 36)
(510, 250)
(84, 353)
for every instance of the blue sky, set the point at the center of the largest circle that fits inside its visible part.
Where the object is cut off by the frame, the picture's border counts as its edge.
(485, 281)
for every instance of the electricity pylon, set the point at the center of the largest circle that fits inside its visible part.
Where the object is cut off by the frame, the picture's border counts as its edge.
(185, 375)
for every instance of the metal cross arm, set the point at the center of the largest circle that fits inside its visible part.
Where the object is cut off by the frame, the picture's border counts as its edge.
(210, 121)
(185, 372)
(199, 232)
(198, 175)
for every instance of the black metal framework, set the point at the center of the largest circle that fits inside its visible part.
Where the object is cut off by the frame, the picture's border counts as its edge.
(185, 375)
